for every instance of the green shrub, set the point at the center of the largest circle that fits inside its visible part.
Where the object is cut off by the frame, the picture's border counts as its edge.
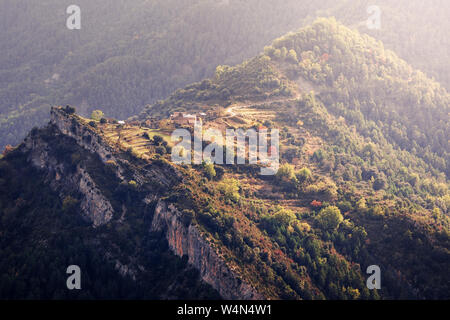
(158, 140)
(345, 206)
(229, 188)
(330, 218)
(209, 170)
(161, 150)
(69, 110)
(304, 175)
(132, 183)
(97, 115)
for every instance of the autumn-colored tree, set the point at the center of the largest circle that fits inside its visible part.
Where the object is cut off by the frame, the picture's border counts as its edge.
(9, 148)
(316, 204)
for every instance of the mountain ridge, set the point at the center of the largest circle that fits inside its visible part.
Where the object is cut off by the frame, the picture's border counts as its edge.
(349, 193)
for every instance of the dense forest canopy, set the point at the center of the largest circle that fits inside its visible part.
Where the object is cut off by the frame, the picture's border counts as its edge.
(369, 85)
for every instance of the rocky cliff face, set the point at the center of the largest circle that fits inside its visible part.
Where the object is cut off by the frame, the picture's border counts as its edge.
(83, 136)
(64, 180)
(87, 138)
(186, 240)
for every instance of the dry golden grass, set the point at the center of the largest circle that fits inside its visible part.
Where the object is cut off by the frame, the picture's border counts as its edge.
(126, 137)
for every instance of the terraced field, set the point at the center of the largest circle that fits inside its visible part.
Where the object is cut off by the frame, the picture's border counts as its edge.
(134, 138)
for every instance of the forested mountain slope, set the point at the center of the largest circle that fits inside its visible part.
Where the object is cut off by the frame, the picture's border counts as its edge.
(414, 30)
(361, 130)
(355, 188)
(363, 181)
